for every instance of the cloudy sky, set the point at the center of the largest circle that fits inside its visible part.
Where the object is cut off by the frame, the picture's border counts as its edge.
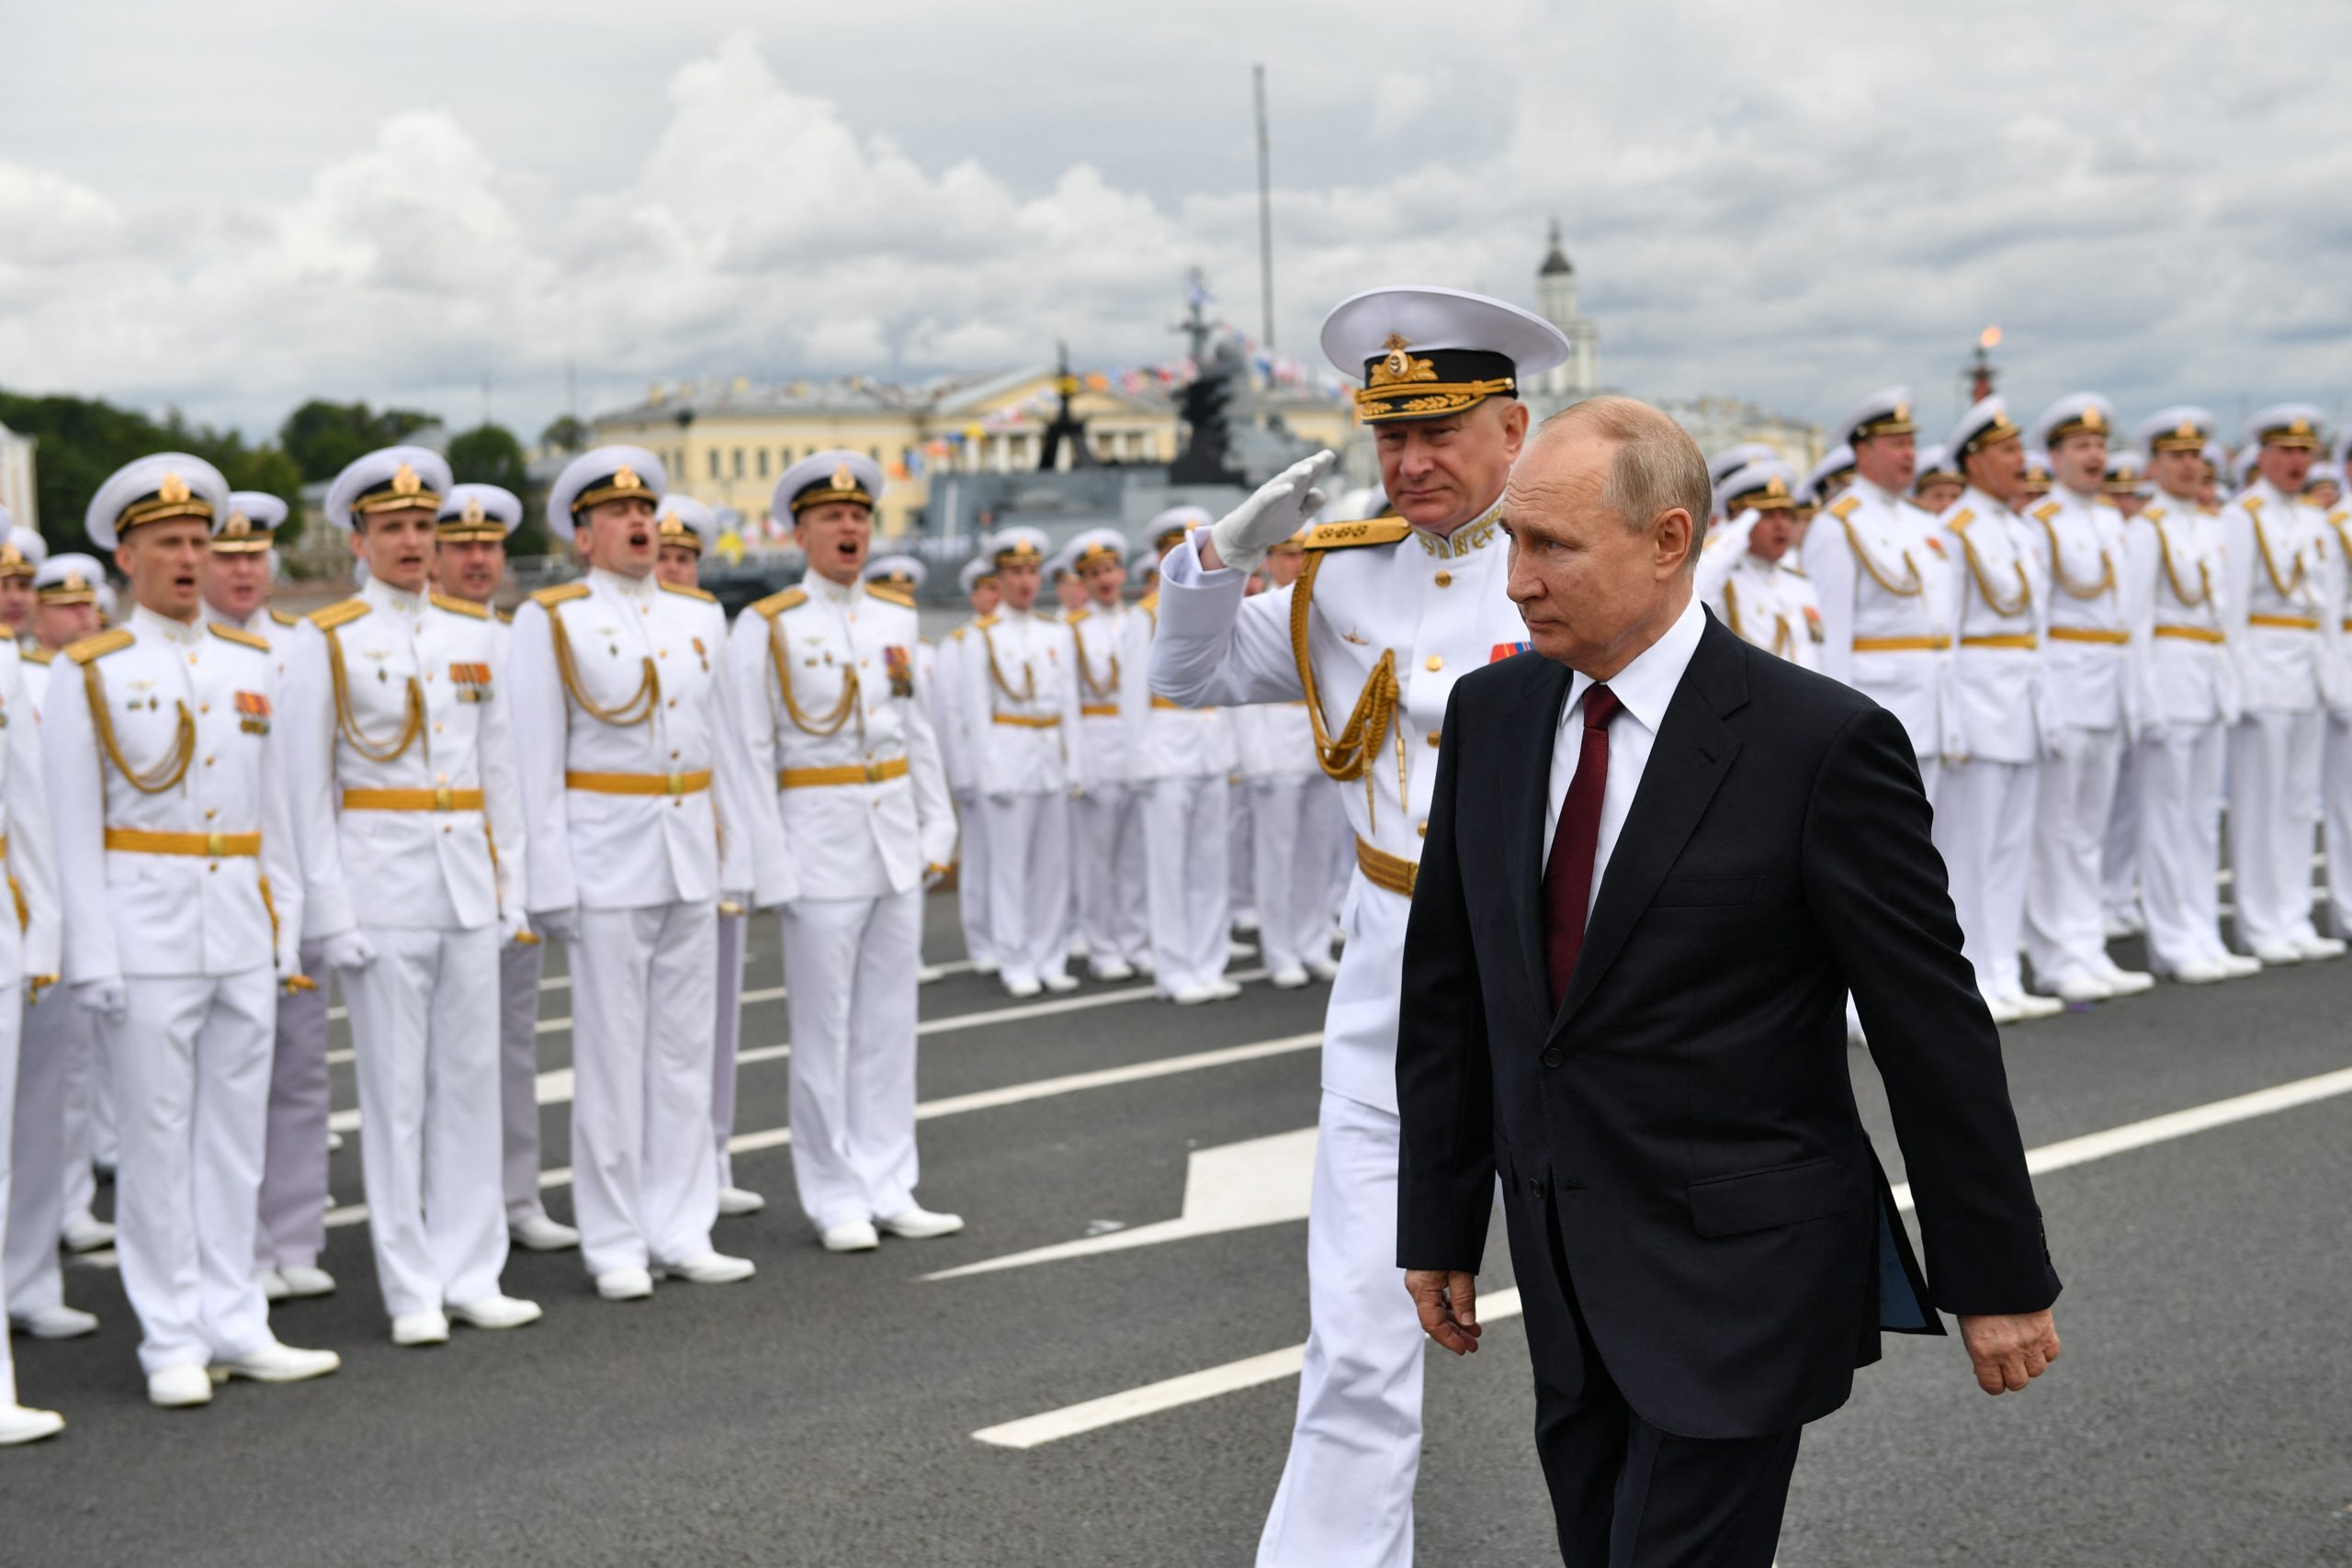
(233, 206)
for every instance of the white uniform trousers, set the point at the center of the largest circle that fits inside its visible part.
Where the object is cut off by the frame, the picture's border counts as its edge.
(2335, 820)
(1289, 840)
(1187, 824)
(972, 881)
(291, 1228)
(725, 1039)
(1241, 880)
(1028, 869)
(191, 1064)
(1983, 830)
(2119, 850)
(1355, 1449)
(849, 964)
(1110, 904)
(424, 1040)
(520, 967)
(2180, 843)
(1339, 847)
(2274, 760)
(643, 982)
(2065, 921)
(43, 1055)
(12, 1016)
(89, 1093)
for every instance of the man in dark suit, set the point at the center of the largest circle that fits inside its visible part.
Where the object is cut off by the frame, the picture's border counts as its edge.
(1657, 861)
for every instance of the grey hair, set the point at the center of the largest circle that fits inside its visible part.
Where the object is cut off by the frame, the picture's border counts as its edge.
(1657, 467)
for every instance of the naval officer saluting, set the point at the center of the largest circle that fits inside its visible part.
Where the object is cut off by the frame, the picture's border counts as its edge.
(1386, 617)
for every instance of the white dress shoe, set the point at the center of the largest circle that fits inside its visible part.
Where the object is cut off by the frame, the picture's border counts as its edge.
(1226, 989)
(930, 973)
(735, 1202)
(850, 1235)
(1077, 948)
(270, 1361)
(539, 1234)
(624, 1284)
(2320, 946)
(179, 1388)
(984, 965)
(495, 1312)
(2028, 1006)
(1022, 990)
(1193, 995)
(273, 1286)
(22, 1424)
(1059, 983)
(920, 1223)
(2003, 1009)
(1289, 979)
(711, 1269)
(1246, 924)
(2275, 953)
(2197, 972)
(1114, 971)
(303, 1283)
(2236, 965)
(1323, 969)
(58, 1322)
(421, 1328)
(1236, 950)
(2076, 986)
(2125, 981)
(83, 1233)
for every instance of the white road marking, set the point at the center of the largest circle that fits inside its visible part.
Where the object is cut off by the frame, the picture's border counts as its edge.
(1052, 1426)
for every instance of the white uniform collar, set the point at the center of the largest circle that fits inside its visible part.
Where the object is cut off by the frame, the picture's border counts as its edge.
(2088, 502)
(626, 587)
(1470, 535)
(384, 596)
(1886, 497)
(184, 632)
(824, 590)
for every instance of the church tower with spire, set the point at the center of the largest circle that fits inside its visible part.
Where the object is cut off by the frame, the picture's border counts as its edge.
(1556, 301)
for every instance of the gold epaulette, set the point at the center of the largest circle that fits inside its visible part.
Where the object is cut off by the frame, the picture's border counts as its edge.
(341, 615)
(984, 622)
(98, 644)
(2150, 514)
(1385, 530)
(1795, 571)
(1150, 604)
(461, 607)
(283, 619)
(561, 594)
(37, 656)
(1845, 506)
(891, 596)
(776, 605)
(1071, 617)
(1961, 518)
(2340, 516)
(505, 617)
(704, 595)
(238, 635)
(2253, 503)
(2045, 511)
(956, 636)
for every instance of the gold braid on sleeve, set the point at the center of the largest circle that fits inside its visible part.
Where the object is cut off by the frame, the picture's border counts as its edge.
(641, 705)
(1350, 756)
(167, 774)
(780, 656)
(347, 722)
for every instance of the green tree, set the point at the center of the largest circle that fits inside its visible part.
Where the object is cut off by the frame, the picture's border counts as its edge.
(490, 454)
(321, 437)
(566, 434)
(83, 440)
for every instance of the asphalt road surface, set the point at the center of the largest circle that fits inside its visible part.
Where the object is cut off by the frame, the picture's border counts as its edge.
(825, 1411)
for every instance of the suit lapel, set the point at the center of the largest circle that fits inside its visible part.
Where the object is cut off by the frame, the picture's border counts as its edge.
(1693, 753)
(1524, 782)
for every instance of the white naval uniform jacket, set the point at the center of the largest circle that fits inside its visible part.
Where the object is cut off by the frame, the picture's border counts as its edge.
(846, 748)
(1764, 603)
(35, 665)
(1998, 685)
(1165, 739)
(1884, 594)
(948, 711)
(2274, 555)
(2093, 673)
(30, 944)
(420, 710)
(1275, 740)
(652, 659)
(1101, 636)
(2336, 611)
(1020, 703)
(191, 711)
(1384, 597)
(2174, 576)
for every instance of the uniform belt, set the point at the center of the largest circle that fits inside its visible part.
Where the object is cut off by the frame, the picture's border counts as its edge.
(638, 784)
(1099, 710)
(2286, 623)
(211, 846)
(2023, 640)
(2088, 634)
(411, 800)
(1163, 705)
(1901, 644)
(848, 773)
(2191, 634)
(1384, 870)
(1023, 721)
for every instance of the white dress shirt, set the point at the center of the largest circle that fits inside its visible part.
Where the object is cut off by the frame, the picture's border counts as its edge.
(1644, 689)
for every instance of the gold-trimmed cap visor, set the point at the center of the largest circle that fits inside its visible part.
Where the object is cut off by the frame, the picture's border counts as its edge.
(171, 498)
(621, 484)
(1992, 432)
(672, 529)
(74, 589)
(1410, 383)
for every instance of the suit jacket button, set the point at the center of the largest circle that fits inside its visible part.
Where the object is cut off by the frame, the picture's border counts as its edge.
(1552, 1056)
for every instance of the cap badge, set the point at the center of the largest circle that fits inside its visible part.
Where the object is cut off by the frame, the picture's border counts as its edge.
(1902, 412)
(474, 515)
(173, 490)
(842, 477)
(11, 555)
(1400, 366)
(2187, 431)
(238, 526)
(2299, 427)
(74, 581)
(1774, 486)
(2094, 419)
(625, 477)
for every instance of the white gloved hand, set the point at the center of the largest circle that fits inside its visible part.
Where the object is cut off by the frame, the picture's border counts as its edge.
(103, 999)
(350, 949)
(515, 926)
(1278, 509)
(557, 925)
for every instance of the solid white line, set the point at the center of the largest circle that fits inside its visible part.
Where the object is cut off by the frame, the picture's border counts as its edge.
(1052, 1426)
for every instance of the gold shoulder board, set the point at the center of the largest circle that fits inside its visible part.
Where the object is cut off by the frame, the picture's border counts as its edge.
(2150, 514)
(99, 645)
(2253, 503)
(776, 605)
(708, 598)
(2339, 515)
(2046, 511)
(461, 606)
(238, 635)
(985, 622)
(505, 617)
(1844, 507)
(1795, 571)
(891, 596)
(956, 636)
(1149, 603)
(283, 619)
(37, 656)
(1346, 535)
(335, 616)
(1073, 617)
(1961, 518)
(562, 593)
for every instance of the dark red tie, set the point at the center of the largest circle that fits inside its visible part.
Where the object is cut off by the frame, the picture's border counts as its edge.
(1568, 876)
